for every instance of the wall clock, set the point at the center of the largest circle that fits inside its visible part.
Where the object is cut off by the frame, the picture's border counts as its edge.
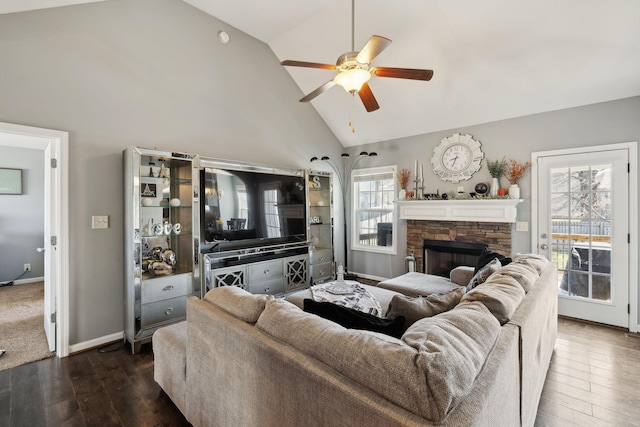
(457, 158)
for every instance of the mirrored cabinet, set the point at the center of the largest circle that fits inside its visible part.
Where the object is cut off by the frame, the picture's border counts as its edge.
(162, 236)
(321, 226)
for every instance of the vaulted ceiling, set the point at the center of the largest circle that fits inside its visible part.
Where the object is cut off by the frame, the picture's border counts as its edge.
(492, 59)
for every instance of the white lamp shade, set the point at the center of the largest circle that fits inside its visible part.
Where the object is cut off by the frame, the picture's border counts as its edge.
(352, 80)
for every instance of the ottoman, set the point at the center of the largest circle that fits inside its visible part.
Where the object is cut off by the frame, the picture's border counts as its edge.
(420, 284)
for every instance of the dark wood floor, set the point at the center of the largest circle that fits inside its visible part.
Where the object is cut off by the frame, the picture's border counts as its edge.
(593, 381)
(113, 388)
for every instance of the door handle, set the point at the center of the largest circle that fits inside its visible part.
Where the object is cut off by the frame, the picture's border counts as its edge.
(544, 247)
(40, 249)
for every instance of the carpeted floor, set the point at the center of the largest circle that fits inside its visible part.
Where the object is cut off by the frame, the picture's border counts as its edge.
(21, 325)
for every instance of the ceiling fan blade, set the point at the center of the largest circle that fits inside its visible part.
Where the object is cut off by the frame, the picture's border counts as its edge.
(308, 64)
(369, 101)
(325, 87)
(402, 73)
(374, 46)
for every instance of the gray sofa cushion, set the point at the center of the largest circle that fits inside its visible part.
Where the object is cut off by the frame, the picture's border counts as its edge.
(170, 362)
(501, 294)
(428, 372)
(415, 284)
(238, 302)
(523, 272)
(452, 348)
(539, 262)
(416, 308)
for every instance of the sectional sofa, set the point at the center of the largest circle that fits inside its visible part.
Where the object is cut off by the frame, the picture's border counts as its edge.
(251, 360)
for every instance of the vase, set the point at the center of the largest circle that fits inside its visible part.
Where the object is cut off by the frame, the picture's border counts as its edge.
(495, 185)
(402, 194)
(514, 191)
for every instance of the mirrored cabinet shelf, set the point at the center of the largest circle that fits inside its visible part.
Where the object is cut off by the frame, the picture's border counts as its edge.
(321, 226)
(161, 239)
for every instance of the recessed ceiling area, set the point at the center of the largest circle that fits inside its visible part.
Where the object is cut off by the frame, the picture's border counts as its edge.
(492, 60)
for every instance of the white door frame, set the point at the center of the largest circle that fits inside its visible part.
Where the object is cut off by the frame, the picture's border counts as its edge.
(632, 148)
(55, 145)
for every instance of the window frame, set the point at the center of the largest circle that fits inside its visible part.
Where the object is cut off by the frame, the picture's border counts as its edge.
(355, 210)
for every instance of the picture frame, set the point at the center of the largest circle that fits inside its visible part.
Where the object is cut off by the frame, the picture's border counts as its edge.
(10, 181)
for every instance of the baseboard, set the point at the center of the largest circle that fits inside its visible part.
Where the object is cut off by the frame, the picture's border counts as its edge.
(96, 342)
(25, 281)
(370, 277)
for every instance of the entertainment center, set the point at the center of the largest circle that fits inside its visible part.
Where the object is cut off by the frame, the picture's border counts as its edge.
(194, 223)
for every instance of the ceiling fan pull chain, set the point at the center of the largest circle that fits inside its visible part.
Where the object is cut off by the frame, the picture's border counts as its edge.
(353, 100)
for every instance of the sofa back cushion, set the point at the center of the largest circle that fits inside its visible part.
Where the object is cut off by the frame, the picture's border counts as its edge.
(238, 302)
(416, 308)
(428, 372)
(501, 294)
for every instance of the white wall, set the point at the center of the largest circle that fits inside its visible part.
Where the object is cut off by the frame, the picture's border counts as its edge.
(150, 73)
(22, 216)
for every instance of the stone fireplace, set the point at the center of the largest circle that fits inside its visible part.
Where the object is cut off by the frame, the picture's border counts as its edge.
(487, 221)
(496, 235)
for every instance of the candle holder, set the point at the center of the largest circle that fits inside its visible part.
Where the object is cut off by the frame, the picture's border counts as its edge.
(418, 189)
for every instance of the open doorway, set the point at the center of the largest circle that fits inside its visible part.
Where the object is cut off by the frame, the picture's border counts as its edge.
(54, 146)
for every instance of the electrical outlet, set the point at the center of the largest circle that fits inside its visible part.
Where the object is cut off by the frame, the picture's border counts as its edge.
(27, 267)
(522, 226)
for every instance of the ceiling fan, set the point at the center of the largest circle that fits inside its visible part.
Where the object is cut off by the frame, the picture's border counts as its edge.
(354, 69)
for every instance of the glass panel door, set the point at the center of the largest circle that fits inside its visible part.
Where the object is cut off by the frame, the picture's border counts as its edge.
(583, 227)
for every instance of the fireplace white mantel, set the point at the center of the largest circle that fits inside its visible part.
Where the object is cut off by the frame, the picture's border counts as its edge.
(478, 210)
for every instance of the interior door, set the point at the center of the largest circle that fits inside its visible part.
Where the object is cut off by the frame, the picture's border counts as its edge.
(49, 252)
(583, 226)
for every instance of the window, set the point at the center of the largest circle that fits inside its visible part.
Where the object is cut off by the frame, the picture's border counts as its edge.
(270, 203)
(373, 219)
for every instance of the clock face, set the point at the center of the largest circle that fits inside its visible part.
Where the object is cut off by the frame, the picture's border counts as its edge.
(457, 158)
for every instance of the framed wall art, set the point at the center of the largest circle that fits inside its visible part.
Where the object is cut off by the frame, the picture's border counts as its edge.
(10, 181)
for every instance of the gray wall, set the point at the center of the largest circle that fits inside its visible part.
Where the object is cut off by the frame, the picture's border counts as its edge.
(149, 73)
(597, 124)
(152, 73)
(22, 216)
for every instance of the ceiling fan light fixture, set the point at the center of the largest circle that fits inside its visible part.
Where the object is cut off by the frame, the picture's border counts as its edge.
(352, 80)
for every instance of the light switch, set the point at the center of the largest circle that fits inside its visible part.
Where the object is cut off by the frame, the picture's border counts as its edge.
(99, 221)
(522, 226)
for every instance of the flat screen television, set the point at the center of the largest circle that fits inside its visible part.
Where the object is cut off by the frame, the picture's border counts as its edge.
(245, 205)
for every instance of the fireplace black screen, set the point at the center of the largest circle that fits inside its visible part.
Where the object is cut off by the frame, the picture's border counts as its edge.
(439, 257)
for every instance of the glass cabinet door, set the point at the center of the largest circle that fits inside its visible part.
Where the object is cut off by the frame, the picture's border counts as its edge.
(321, 226)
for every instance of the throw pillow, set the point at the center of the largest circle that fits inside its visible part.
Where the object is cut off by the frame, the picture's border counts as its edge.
(487, 256)
(483, 274)
(354, 319)
(416, 308)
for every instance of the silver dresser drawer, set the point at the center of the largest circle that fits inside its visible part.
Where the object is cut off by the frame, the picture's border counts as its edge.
(322, 271)
(267, 270)
(321, 256)
(163, 311)
(161, 288)
(271, 287)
